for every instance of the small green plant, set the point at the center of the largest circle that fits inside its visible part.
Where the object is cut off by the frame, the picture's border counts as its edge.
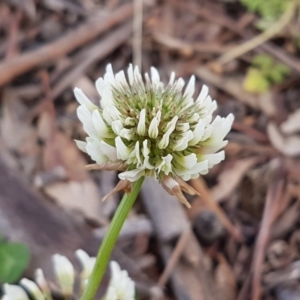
(14, 258)
(263, 73)
(269, 10)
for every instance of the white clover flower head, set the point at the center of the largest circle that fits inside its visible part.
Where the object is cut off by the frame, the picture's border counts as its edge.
(65, 273)
(120, 287)
(146, 128)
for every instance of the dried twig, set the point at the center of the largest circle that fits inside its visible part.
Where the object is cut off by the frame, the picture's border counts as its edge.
(180, 246)
(271, 212)
(262, 38)
(62, 46)
(137, 32)
(209, 13)
(206, 198)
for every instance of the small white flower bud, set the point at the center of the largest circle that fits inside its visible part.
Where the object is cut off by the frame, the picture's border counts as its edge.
(120, 286)
(14, 292)
(64, 272)
(31, 287)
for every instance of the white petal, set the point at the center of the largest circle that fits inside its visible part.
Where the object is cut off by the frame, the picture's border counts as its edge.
(195, 118)
(107, 116)
(172, 78)
(84, 100)
(141, 128)
(42, 283)
(220, 128)
(123, 151)
(165, 165)
(93, 149)
(207, 133)
(81, 145)
(65, 274)
(198, 133)
(146, 164)
(137, 153)
(153, 128)
(14, 292)
(117, 126)
(32, 289)
(121, 81)
(214, 159)
(130, 121)
(85, 117)
(109, 151)
(120, 284)
(190, 89)
(182, 144)
(182, 127)
(132, 175)
(146, 149)
(100, 126)
(87, 263)
(109, 75)
(203, 94)
(137, 74)
(128, 134)
(211, 148)
(154, 75)
(164, 142)
(200, 168)
(100, 86)
(188, 161)
(130, 74)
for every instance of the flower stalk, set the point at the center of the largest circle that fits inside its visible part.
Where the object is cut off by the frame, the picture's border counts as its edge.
(110, 239)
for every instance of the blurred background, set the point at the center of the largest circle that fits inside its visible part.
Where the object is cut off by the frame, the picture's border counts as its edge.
(241, 238)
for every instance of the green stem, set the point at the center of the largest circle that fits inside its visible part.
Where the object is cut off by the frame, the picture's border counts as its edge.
(110, 241)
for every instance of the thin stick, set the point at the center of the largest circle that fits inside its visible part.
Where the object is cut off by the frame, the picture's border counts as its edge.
(271, 212)
(262, 38)
(206, 197)
(180, 246)
(80, 36)
(137, 32)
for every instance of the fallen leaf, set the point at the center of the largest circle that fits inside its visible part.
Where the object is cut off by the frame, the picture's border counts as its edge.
(292, 124)
(79, 196)
(287, 145)
(17, 135)
(230, 178)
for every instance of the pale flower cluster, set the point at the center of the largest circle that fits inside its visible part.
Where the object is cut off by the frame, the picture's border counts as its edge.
(146, 128)
(120, 287)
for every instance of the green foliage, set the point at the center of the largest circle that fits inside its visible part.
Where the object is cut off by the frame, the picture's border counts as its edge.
(263, 73)
(269, 10)
(14, 258)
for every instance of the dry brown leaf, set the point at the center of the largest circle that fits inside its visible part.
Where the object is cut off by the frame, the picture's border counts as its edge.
(62, 151)
(17, 135)
(78, 196)
(80, 193)
(292, 124)
(229, 179)
(287, 145)
(225, 279)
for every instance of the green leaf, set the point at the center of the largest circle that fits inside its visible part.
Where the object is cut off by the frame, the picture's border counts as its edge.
(14, 258)
(269, 10)
(255, 82)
